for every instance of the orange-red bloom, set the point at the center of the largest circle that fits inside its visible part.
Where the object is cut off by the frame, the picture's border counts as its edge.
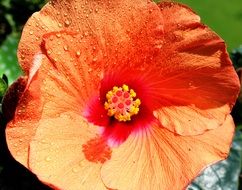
(123, 95)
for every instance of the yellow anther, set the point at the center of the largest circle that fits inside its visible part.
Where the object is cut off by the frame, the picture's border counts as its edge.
(132, 108)
(111, 112)
(109, 95)
(115, 89)
(132, 93)
(137, 102)
(106, 105)
(121, 104)
(136, 110)
(125, 88)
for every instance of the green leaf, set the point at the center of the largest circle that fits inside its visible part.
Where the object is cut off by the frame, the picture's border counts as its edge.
(223, 175)
(3, 87)
(8, 59)
(5, 78)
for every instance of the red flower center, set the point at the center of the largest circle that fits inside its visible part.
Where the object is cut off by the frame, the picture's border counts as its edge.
(121, 104)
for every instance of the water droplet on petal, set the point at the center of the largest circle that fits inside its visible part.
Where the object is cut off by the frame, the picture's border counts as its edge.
(22, 56)
(86, 33)
(94, 59)
(81, 163)
(67, 22)
(75, 170)
(58, 35)
(47, 159)
(65, 48)
(78, 53)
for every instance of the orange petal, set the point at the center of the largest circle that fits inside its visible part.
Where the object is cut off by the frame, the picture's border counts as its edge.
(160, 159)
(54, 89)
(58, 91)
(22, 127)
(49, 94)
(197, 85)
(57, 155)
(115, 23)
(77, 58)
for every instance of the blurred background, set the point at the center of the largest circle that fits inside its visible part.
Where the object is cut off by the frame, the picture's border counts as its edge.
(222, 16)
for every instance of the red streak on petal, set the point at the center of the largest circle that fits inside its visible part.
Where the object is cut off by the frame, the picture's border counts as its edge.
(96, 150)
(115, 131)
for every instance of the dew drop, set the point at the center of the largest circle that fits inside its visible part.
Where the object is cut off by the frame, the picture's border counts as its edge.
(67, 23)
(58, 35)
(94, 59)
(86, 33)
(47, 159)
(74, 170)
(22, 56)
(43, 141)
(81, 163)
(78, 53)
(65, 48)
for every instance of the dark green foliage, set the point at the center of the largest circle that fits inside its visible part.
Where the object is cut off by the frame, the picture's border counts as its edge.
(5, 27)
(3, 87)
(236, 57)
(25, 9)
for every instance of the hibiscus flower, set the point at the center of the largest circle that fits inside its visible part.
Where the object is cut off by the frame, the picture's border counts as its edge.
(121, 94)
